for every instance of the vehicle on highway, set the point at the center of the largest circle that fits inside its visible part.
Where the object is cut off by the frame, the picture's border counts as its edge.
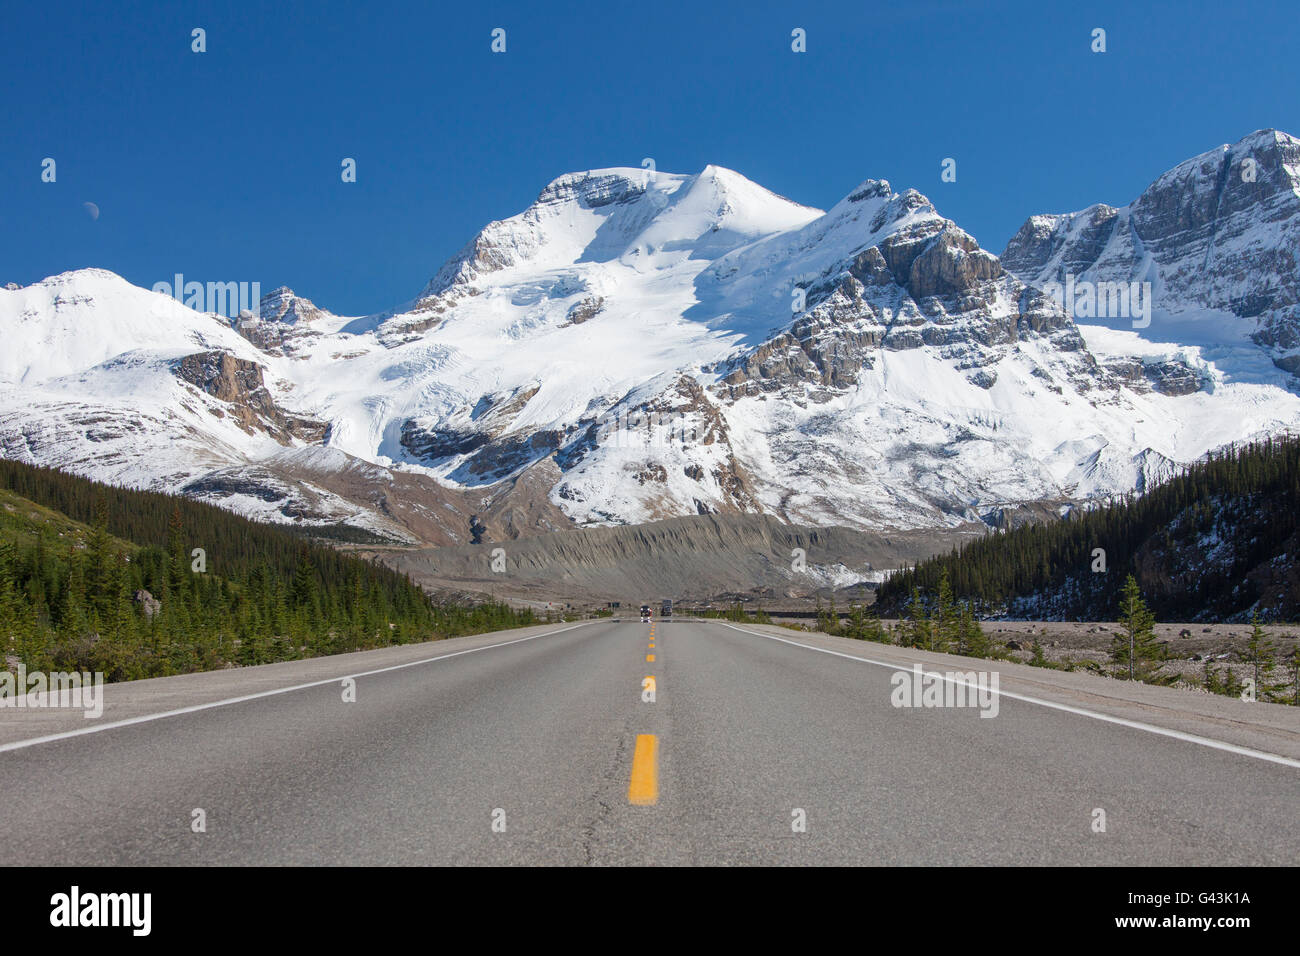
(645, 613)
(668, 608)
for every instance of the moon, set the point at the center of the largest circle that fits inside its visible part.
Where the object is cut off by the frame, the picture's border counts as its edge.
(91, 209)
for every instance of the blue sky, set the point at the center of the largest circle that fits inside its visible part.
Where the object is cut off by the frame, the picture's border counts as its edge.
(225, 165)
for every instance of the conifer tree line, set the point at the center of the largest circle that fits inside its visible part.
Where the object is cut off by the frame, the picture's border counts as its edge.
(263, 593)
(1249, 495)
(941, 622)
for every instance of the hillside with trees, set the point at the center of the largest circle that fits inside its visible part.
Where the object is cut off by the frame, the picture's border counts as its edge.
(142, 584)
(1218, 542)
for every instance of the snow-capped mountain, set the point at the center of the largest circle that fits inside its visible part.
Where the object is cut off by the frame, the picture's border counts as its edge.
(1218, 237)
(639, 345)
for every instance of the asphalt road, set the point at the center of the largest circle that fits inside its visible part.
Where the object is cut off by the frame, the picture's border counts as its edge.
(543, 751)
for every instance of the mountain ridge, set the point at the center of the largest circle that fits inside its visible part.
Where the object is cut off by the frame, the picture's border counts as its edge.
(638, 345)
(1203, 233)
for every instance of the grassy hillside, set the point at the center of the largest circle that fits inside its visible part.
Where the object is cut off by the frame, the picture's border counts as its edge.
(23, 522)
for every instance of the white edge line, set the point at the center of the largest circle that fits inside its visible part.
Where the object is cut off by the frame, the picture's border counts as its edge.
(145, 718)
(1122, 721)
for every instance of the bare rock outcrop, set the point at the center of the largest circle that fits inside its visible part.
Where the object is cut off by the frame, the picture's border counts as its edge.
(239, 383)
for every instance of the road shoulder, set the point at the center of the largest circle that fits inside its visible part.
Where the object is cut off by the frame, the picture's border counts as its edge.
(142, 699)
(1269, 728)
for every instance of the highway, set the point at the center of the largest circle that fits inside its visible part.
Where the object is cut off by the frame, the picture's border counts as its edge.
(541, 747)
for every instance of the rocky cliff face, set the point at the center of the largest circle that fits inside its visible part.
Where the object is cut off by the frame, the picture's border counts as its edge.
(1219, 232)
(283, 322)
(283, 306)
(238, 383)
(919, 282)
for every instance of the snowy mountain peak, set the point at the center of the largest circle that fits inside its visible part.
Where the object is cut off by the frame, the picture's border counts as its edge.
(1265, 160)
(870, 189)
(605, 215)
(1217, 236)
(74, 277)
(282, 305)
(74, 322)
(742, 195)
(873, 210)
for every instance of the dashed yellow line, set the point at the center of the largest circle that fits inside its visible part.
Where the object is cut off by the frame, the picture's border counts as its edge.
(643, 790)
(650, 658)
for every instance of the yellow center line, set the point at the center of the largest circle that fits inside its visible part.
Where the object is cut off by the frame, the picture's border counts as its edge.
(643, 790)
(650, 658)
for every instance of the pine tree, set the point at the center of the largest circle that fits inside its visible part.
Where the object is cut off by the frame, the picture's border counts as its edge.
(1260, 653)
(872, 629)
(1232, 685)
(1037, 658)
(101, 571)
(1210, 678)
(974, 643)
(856, 624)
(945, 633)
(1135, 647)
(177, 569)
(916, 623)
